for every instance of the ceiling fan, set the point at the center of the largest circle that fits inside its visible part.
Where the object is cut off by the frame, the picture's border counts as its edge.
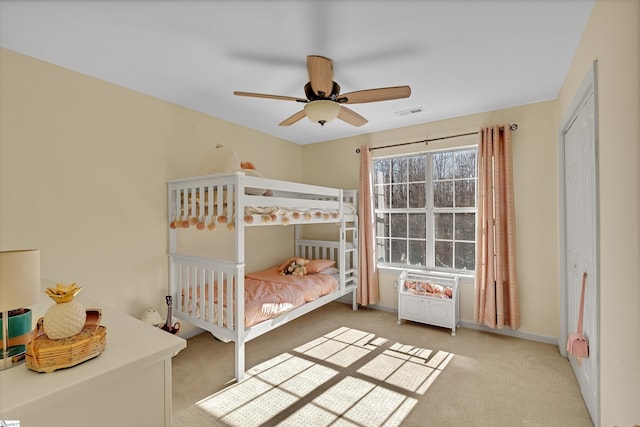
(324, 101)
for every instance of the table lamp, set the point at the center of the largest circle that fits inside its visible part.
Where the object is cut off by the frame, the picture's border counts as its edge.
(19, 287)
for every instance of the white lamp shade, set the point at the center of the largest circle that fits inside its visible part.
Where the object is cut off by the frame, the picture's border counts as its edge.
(19, 279)
(322, 110)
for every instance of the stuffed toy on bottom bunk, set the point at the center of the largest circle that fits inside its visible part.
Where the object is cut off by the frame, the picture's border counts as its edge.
(268, 294)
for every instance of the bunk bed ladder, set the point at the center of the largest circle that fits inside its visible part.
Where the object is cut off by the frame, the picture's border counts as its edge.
(350, 260)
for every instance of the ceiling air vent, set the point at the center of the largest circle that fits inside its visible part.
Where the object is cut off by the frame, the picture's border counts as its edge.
(414, 110)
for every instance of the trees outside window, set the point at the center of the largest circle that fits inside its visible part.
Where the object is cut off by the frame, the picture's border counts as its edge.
(425, 206)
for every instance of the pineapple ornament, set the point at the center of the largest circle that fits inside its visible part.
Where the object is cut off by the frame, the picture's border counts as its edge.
(67, 317)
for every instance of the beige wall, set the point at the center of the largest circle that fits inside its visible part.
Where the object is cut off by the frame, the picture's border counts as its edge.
(612, 37)
(83, 171)
(535, 169)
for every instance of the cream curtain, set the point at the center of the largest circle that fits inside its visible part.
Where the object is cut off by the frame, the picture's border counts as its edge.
(496, 284)
(368, 292)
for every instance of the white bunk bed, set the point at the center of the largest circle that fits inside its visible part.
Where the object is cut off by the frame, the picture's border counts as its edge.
(233, 202)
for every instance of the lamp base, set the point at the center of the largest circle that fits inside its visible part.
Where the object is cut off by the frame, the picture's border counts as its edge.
(15, 356)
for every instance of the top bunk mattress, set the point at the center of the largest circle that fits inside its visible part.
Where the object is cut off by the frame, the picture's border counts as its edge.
(209, 201)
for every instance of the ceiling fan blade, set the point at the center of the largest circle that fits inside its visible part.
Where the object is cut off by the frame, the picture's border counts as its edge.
(373, 95)
(320, 75)
(347, 115)
(293, 119)
(262, 95)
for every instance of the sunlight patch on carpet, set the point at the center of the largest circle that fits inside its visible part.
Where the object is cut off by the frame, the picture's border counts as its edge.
(353, 402)
(347, 377)
(361, 402)
(342, 347)
(325, 350)
(286, 370)
(407, 367)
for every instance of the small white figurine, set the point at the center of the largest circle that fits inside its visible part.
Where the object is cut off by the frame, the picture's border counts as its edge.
(152, 317)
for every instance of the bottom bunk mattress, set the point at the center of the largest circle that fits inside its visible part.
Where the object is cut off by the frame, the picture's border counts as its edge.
(267, 293)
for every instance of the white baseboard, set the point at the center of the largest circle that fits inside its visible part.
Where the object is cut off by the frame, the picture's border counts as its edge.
(510, 332)
(383, 308)
(191, 332)
(504, 331)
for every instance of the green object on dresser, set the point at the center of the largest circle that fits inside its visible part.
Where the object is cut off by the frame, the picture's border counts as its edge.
(19, 323)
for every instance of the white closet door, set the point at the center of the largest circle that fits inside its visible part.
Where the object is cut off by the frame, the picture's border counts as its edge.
(580, 225)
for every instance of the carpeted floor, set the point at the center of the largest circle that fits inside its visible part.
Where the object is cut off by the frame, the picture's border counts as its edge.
(338, 367)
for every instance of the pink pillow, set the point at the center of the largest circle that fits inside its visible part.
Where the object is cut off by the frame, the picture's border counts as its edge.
(317, 265)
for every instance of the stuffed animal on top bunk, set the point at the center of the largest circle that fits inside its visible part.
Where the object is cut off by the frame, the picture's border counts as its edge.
(296, 267)
(225, 160)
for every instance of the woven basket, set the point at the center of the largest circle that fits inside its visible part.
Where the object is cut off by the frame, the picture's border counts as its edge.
(44, 354)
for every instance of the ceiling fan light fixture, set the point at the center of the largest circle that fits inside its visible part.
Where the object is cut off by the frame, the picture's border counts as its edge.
(321, 111)
(323, 101)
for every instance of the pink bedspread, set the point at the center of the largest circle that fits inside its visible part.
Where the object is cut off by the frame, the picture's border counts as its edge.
(312, 285)
(269, 294)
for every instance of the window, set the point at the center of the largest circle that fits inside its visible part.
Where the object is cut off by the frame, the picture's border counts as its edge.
(425, 207)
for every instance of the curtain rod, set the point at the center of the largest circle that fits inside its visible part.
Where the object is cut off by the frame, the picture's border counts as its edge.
(513, 127)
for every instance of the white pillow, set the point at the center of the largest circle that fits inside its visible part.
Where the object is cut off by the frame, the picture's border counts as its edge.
(219, 160)
(225, 160)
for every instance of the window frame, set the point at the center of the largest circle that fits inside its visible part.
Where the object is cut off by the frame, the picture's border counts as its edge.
(430, 211)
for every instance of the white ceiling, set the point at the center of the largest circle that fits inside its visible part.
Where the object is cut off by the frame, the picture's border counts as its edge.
(459, 57)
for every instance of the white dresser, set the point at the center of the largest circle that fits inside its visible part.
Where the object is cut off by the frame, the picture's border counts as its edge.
(129, 384)
(417, 305)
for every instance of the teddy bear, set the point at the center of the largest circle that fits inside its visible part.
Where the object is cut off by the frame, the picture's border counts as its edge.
(152, 317)
(297, 267)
